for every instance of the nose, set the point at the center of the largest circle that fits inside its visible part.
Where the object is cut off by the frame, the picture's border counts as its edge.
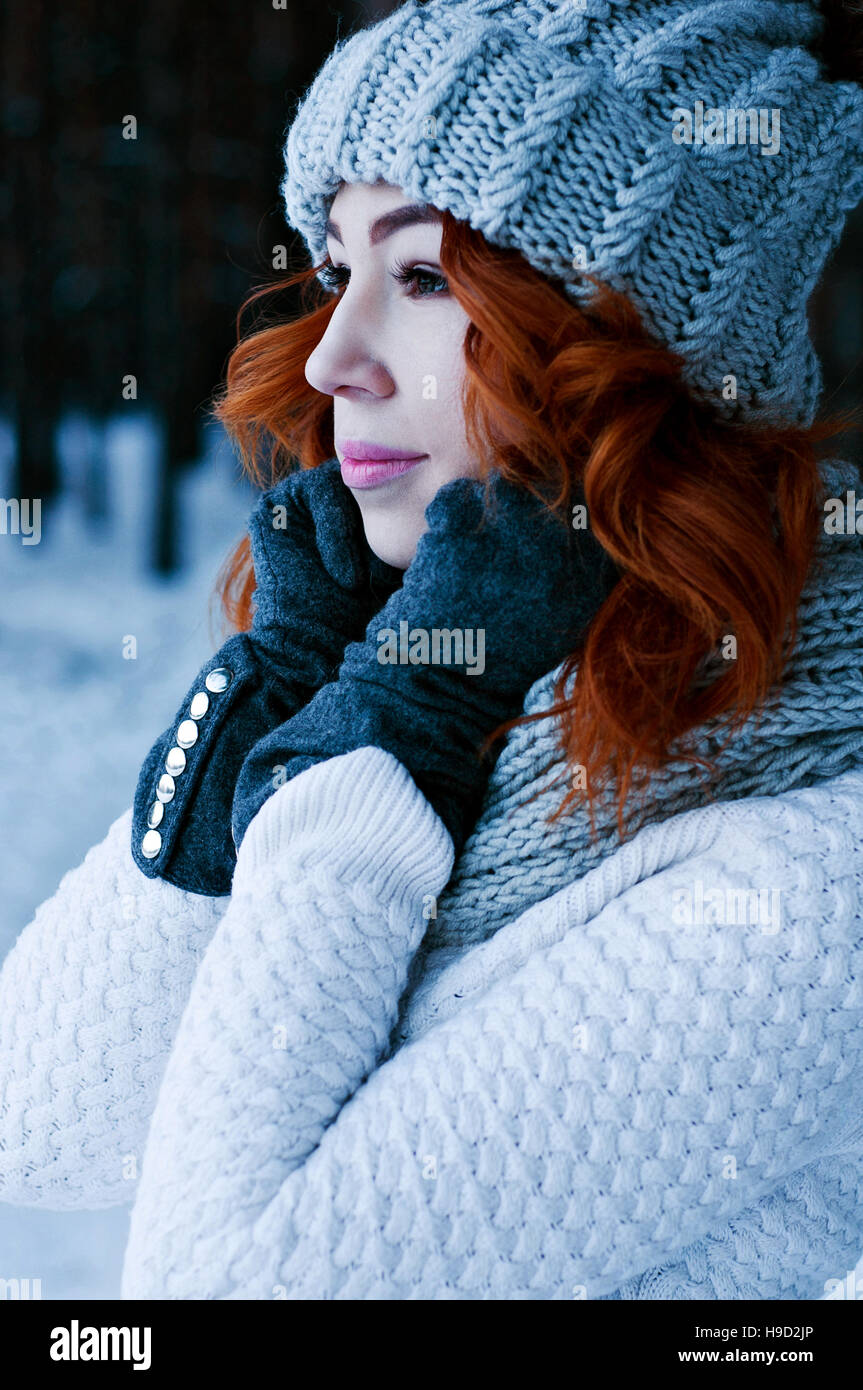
(344, 361)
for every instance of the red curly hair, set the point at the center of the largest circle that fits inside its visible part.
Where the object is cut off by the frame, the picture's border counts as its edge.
(712, 524)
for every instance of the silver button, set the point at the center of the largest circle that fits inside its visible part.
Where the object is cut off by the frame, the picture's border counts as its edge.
(166, 788)
(199, 706)
(151, 844)
(175, 761)
(187, 734)
(157, 811)
(219, 680)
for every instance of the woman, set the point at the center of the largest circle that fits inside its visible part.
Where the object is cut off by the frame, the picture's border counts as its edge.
(376, 1006)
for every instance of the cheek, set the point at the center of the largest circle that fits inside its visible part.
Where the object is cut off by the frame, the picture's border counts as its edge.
(437, 366)
(449, 466)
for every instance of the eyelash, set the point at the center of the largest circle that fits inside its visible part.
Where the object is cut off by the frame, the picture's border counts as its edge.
(334, 278)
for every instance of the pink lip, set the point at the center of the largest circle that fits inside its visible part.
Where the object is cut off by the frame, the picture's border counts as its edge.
(365, 465)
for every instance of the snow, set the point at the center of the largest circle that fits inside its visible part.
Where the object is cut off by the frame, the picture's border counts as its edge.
(78, 718)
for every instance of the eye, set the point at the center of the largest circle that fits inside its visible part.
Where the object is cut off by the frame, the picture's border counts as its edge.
(334, 277)
(421, 282)
(425, 283)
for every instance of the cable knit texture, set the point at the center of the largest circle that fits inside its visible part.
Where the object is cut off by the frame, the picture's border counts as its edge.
(90, 998)
(555, 127)
(615, 1104)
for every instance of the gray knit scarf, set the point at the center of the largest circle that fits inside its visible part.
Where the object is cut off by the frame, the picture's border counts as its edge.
(809, 730)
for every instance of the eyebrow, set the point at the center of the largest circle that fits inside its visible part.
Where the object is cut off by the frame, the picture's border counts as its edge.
(392, 222)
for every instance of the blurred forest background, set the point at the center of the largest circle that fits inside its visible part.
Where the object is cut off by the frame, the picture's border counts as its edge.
(131, 257)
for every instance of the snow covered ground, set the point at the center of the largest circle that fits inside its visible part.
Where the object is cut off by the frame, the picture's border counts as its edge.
(77, 720)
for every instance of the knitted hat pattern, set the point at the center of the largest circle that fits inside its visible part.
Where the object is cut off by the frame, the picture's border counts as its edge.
(559, 128)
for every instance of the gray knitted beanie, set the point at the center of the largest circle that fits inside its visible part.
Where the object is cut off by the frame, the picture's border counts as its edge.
(693, 154)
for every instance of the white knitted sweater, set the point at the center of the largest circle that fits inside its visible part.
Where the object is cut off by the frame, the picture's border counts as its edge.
(602, 1100)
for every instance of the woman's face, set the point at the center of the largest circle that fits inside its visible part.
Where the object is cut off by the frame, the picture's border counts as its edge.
(391, 358)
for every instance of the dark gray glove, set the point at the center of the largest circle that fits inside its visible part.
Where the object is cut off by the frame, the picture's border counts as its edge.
(318, 584)
(518, 580)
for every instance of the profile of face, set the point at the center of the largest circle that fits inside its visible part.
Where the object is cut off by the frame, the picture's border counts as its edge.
(392, 360)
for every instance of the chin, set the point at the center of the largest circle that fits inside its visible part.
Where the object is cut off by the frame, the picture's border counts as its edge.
(391, 546)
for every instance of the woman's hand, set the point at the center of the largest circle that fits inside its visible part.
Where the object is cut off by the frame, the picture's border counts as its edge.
(318, 584)
(492, 601)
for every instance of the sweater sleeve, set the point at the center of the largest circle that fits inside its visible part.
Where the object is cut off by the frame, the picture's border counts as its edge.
(623, 1074)
(91, 993)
